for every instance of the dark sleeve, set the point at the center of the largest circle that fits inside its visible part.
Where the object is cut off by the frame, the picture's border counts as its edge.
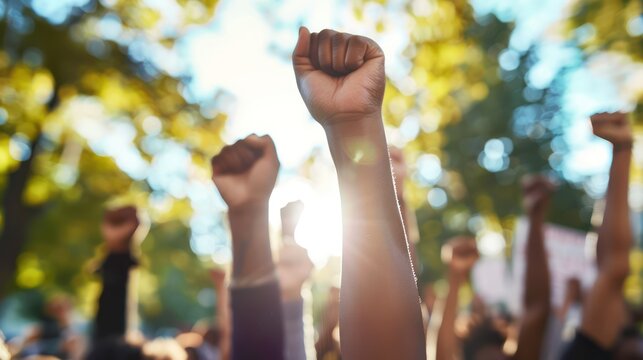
(294, 329)
(112, 304)
(583, 347)
(257, 323)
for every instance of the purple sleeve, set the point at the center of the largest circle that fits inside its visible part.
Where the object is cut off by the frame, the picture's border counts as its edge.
(257, 323)
(294, 329)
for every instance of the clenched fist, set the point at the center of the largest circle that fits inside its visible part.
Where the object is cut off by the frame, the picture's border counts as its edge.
(245, 172)
(536, 194)
(340, 76)
(118, 228)
(460, 254)
(613, 127)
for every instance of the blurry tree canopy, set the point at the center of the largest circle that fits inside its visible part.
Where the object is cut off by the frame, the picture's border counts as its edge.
(90, 92)
(477, 127)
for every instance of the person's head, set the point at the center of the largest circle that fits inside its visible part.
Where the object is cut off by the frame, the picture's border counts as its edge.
(484, 342)
(58, 307)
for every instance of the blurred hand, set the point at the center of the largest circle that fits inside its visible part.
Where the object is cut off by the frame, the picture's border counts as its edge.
(340, 76)
(400, 170)
(613, 127)
(290, 215)
(293, 269)
(245, 172)
(460, 254)
(218, 277)
(537, 191)
(118, 228)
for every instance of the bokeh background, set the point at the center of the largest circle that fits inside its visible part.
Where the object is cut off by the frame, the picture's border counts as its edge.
(124, 101)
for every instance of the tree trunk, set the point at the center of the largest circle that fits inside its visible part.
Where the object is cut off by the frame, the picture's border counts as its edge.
(17, 215)
(16, 220)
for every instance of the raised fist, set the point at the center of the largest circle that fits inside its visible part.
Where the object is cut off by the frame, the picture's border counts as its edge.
(118, 228)
(537, 191)
(613, 127)
(460, 254)
(290, 215)
(245, 172)
(340, 76)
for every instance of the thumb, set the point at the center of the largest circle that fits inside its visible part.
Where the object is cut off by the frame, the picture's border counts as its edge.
(301, 54)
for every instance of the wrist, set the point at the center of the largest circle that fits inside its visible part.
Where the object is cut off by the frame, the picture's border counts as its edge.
(120, 248)
(536, 216)
(457, 277)
(248, 207)
(621, 147)
(358, 139)
(351, 121)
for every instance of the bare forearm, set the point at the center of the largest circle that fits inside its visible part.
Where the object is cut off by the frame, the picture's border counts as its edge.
(447, 343)
(252, 258)
(537, 278)
(381, 315)
(615, 234)
(536, 300)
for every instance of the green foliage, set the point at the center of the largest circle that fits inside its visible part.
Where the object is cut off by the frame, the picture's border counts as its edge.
(62, 77)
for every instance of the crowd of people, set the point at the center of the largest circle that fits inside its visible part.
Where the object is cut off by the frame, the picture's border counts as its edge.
(260, 310)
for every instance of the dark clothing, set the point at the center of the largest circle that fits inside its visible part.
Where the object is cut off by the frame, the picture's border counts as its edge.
(257, 322)
(294, 329)
(585, 348)
(112, 304)
(114, 348)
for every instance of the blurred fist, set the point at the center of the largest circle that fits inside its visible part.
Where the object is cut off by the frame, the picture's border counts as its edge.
(118, 228)
(537, 191)
(290, 215)
(613, 127)
(293, 269)
(400, 171)
(460, 254)
(245, 172)
(340, 76)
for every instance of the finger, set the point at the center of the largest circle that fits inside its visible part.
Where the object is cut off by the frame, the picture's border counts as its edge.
(217, 161)
(226, 162)
(303, 44)
(325, 51)
(236, 163)
(339, 44)
(314, 50)
(262, 144)
(355, 51)
(301, 53)
(246, 153)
